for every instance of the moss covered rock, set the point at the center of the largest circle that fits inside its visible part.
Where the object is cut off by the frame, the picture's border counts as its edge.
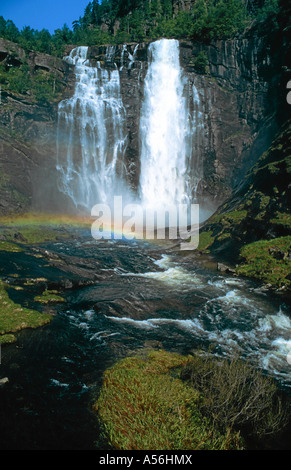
(255, 223)
(14, 317)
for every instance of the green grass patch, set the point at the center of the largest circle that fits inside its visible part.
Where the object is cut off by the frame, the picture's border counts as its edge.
(205, 240)
(143, 405)
(282, 218)
(9, 246)
(223, 236)
(264, 201)
(49, 297)
(14, 317)
(268, 260)
(228, 218)
(38, 234)
(7, 339)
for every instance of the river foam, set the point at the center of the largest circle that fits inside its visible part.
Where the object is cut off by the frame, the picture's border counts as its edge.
(235, 318)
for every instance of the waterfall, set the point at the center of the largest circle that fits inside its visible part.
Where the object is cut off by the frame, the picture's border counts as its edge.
(168, 126)
(92, 140)
(91, 136)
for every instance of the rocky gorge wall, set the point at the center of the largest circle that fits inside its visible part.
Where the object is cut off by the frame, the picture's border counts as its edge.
(239, 93)
(27, 130)
(236, 92)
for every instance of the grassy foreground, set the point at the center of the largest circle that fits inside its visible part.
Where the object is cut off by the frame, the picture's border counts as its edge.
(144, 405)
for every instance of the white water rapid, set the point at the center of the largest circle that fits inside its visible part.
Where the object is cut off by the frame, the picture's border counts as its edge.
(91, 137)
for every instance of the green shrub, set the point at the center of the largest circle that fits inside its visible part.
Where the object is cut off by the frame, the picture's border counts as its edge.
(269, 8)
(201, 62)
(236, 396)
(18, 79)
(43, 86)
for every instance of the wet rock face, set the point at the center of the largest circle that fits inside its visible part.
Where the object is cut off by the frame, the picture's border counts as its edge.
(236, 97)
(239, 118)
(28, 131)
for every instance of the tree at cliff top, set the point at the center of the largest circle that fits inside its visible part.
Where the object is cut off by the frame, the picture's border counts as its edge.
(150, 19)
(120, 21)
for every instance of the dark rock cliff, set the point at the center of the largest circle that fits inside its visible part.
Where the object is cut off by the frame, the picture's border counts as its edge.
(239, 91)
(252, 230)
(27, 130)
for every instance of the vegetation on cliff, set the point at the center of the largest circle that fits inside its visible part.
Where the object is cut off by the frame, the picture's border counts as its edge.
(42, 86)
(121, 21)
(160, 400)
(268, 260)
(253, 228)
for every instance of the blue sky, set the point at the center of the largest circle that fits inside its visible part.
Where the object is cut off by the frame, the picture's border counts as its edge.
(48, 14)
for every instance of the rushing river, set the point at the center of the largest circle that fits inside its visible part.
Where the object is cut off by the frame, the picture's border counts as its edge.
(144, 296)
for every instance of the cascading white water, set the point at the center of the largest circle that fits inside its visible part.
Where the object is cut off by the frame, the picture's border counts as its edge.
(167, 128)
(131, 57)
(196, 142)
(91, 137)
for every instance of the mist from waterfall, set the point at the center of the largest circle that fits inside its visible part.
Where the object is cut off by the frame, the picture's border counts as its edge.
(91, 137)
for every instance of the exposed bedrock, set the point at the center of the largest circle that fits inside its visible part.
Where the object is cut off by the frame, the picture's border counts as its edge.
(240, 87)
